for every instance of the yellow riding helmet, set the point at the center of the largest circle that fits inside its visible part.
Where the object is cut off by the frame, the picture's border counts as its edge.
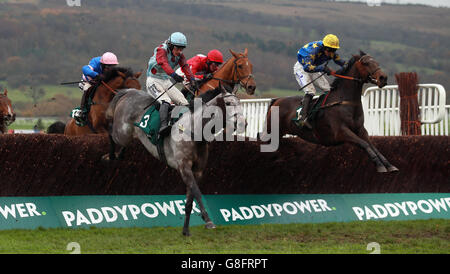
(331, 41)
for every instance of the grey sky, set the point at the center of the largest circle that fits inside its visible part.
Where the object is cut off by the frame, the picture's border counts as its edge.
(435, 3)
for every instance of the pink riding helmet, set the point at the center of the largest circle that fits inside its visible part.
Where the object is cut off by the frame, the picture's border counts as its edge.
(109, 58)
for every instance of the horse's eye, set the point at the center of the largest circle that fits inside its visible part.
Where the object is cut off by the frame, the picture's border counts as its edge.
(240, 66)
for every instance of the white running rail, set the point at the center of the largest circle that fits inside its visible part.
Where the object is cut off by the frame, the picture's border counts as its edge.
(381, 111)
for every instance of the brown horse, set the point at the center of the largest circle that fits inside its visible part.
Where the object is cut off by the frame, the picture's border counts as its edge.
(235, 71)
(339, 118)
(7, 115)
(114, 79)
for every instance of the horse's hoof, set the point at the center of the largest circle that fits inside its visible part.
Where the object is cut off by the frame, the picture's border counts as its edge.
(186, 233)
(210, 225)
(392, 169)
(382, 169)
(106, 158)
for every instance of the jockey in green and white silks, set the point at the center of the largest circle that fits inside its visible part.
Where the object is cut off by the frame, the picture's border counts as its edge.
(311, 63)
(161, 67)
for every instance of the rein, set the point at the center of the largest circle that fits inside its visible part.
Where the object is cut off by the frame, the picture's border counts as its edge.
(108, 87)
(370, 77)
(347, 77)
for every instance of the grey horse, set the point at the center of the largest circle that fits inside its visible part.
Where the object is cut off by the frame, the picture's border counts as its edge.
(184, 150)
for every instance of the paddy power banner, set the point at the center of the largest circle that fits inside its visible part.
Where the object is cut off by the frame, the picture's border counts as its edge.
(168, 210)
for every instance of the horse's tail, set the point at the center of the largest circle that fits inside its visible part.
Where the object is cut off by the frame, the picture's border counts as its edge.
(273, 102)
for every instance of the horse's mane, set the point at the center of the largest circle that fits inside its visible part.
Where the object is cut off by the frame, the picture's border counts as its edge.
(210, 94)
(344, 70)
(113, 73)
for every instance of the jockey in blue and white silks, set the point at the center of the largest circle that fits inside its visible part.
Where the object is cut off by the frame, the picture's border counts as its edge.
(97, 66)
(311, 63)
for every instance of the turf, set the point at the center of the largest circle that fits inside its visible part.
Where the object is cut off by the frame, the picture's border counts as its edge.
(404, 237)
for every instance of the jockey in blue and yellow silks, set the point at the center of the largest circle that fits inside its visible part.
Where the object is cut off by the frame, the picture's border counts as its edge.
(311, 63)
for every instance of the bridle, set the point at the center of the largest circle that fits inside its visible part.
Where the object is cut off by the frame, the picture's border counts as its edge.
(370, 75)
(237, 75)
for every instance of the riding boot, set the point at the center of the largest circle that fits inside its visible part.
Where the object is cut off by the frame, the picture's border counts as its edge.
(83, 106)
(164, 116)
(303, 119)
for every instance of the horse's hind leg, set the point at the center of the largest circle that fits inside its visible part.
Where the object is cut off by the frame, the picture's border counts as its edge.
(193, 192)
(188, 210)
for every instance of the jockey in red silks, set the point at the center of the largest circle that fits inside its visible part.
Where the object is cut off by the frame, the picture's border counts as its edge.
(203, 67)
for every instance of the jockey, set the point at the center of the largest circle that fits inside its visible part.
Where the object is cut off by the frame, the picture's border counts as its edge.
(312, 59)
(161, 66)
(91, 74)
(203, 66)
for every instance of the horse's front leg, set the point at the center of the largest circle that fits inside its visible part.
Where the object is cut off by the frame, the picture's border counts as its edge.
(365, 136)
(115, 151)
(349, 136)
(192, 192)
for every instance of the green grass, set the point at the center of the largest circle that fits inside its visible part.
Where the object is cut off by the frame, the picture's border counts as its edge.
(424, 236)
(280, 92)
(16, 95)
(28, 123)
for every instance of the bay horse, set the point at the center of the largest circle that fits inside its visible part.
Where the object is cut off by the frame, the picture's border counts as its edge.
(235, 72)
(340, 118)
(182, 151)
(7, 115)
(114, 79)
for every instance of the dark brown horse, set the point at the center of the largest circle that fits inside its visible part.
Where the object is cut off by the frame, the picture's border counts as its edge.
(114, 79)
(339, 118)
(7, 115)
(235, 71)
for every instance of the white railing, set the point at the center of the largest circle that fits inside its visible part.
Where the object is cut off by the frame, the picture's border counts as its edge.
(255, 111)
(381, 111)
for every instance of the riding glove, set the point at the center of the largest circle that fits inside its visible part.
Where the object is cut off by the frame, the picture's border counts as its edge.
(328, 71)
(194, 84)
(176, 77)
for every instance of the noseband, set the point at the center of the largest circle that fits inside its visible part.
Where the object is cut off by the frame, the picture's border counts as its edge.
(370, 76)
(239, 79)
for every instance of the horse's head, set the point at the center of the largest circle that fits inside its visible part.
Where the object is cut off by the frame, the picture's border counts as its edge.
(7, 115)
(120, 78)
(243, 69)
(370, 71)
(131, 81)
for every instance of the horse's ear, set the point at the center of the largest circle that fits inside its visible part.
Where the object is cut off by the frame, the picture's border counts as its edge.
(233, 53)
(137, 75)
(362, 53)
(246, 52)
(121, 74)
(5, 92)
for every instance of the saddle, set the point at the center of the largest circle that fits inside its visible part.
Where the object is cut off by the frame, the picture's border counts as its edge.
(151, 122)
(313, 109)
